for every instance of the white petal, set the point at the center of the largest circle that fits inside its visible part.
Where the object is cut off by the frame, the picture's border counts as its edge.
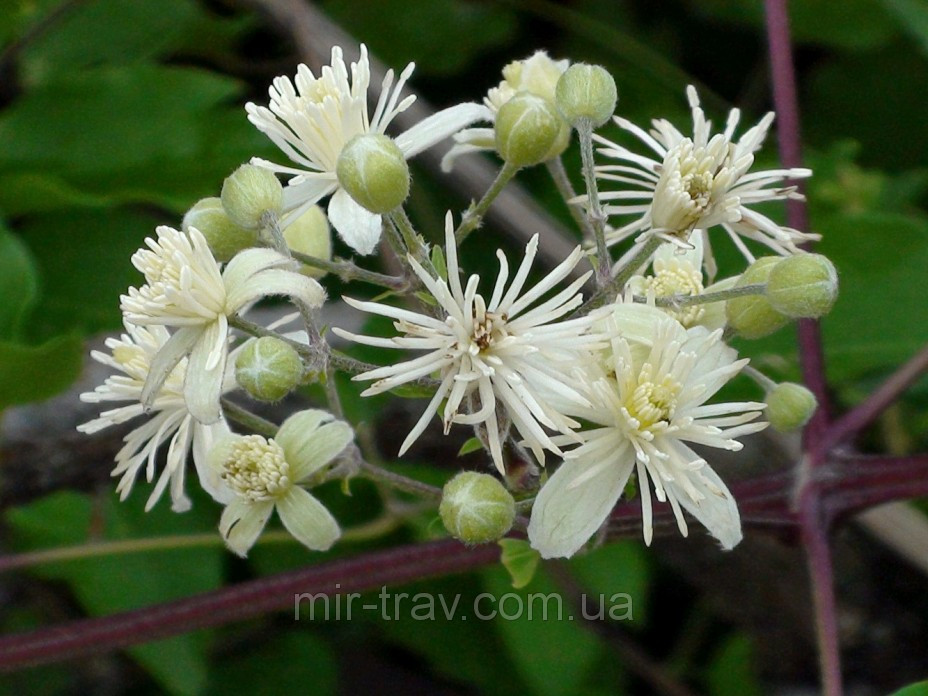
(565, 516)
(718, 511)
(276, 281)
(310, 440)
(439, 126)
(308, 520)
(241, 524)
(359, 227)
(171, 353)
(207, 364)
(246, 263)
(204, 438)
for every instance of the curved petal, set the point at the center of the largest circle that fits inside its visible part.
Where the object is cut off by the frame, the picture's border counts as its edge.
(204, 439)
(310, 440)
(717, 512)
(359, 227)
(441, 125)
(242, 523)
(307, 190)
(248, 262)
(172, 352)
(308, 520)
(569, 509)
(276, 281)
(203, 381)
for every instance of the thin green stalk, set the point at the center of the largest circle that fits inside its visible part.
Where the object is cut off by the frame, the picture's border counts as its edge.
(412, 240)
(561, 181)
(597, 219)
(678, 301)
(247, 419)
(395, 480)
(348, 271)
(608, 293)
(474, 215)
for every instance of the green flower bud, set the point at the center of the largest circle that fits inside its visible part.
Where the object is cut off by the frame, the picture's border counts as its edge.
(225, 238)
(529, 130)
(803, 286)
(586, 93)
(268, 368)
(373, 170)
(753, 316)
(476, 508)
(310, 234)
(790, 406)
(248, 193)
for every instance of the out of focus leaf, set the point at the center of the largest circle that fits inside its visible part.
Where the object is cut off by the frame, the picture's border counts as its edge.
(294, 662)
(730, 671)
(618, 575)
(17, 283)
(520, 559)
(33, 373)
(917, 689)
(547, 644)
(109, 584)
(394, 30)
(912, 16)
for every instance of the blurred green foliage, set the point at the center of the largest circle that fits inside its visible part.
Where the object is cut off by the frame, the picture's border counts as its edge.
(117, 115)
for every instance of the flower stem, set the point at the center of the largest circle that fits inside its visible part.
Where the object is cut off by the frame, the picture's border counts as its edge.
(474, 215)
(348, 271)
(609, 292)
(678, 301)
(597, 220)
(404, 483)
(246, 418)
(413, 241)
(561, 181)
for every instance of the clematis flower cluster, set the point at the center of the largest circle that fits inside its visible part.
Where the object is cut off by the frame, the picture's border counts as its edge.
(587, 382)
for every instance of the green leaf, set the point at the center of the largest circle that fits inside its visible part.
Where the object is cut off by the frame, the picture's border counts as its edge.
(33, 373)
(412, 391)
(297, 661)
(617, 575)
(473, 444)
(83, 259)
(912, 16)
(731, 671)
(108, 584)
(547, 644)
(18, 283)
(916, 689)
(471, 28)
(520, 559)
(438, 260)
(112, 118)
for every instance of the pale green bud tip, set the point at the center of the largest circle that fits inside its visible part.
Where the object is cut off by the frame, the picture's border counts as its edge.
(752, 316)
(790, 406)
(310, 234)
(373, 170)
(249, 193)
(586, 93)
(529, 130)
(224, 237)
(268, 368)
(476, 508)
(803, 286)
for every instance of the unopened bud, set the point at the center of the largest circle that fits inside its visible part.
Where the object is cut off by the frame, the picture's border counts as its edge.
(586, 93)
(310, 234)
(373, 170)
(752, 316)
(803, 286)
(268, 368)
(790, 406)
(529, 130)
(249, 193)
(476, 508)
(224, 237)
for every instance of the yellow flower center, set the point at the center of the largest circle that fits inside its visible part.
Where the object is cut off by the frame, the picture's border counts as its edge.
(652, 403)
(255, 468)
(677, 277)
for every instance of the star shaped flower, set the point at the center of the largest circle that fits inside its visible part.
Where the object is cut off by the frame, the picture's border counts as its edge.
(186, 289)
(648, 402)
(258, 475)
(493, 358)
(694, 183)
(311, 119)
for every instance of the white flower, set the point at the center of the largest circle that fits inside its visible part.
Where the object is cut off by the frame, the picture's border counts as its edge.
(697, 183)
(537, 74)
(646, 407)
(678, 272)
(486, 352)
(131, 356)
(314, 119)
(258, 475)
(185, 289)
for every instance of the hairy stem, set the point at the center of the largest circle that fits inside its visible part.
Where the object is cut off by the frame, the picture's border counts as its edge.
(473, 216)
(349, 271)
(608, 293)
(597, 220)
(561, 181)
